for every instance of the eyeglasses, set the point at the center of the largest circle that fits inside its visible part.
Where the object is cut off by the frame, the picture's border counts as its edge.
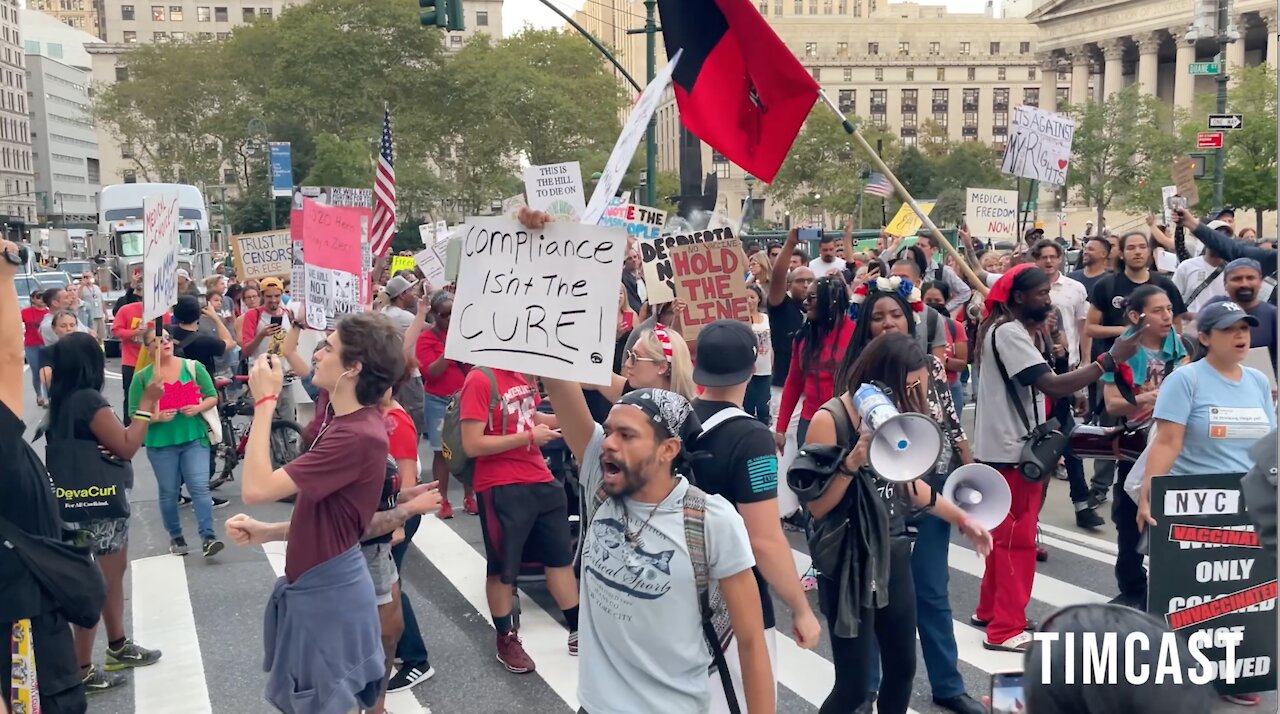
(630, 357)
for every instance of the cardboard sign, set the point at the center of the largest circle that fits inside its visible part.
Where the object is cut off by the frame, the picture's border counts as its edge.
(262, 255)
(1183, 173)
(639, 221)
(402, 262)
(628, 140)
(655, 255)
(1208, 572)
(538, 302)
(1039, 146)
(991, 213)
(708, 278)
(905, 222)
(556, 189)
(332, 240)
(160, 253)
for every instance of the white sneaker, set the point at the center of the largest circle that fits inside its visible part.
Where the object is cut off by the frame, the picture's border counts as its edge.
(1018, 643)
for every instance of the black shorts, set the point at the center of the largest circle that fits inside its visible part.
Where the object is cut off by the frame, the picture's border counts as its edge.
(524, 523)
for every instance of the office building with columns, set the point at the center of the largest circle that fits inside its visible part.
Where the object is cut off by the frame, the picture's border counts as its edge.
(1098, 48)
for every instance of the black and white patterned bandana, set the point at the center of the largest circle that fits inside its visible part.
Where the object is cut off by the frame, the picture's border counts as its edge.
(667, 410)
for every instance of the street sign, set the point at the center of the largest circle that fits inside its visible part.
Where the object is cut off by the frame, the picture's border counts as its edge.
(1209, 140)
(1204, 68)
(1225, 122)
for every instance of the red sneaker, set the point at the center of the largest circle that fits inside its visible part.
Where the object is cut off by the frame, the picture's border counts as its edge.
(469, 505)
(512, 655)
(446, 510)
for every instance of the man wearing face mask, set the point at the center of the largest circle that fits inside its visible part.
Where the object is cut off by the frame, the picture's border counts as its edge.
(1243, 280)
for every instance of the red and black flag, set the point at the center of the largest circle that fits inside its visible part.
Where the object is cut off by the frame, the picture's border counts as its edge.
(737, 85)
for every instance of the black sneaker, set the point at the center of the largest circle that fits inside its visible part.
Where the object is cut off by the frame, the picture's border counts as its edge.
(184, 500)
(95, 680)
(410, 676)
(1097, 498)
(1089, 518)
(178, 546)
(219, 502)
(960, 704)
(130, 655)
(212, 546)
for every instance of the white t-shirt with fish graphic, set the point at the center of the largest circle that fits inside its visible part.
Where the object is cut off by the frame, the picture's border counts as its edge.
(640, 633)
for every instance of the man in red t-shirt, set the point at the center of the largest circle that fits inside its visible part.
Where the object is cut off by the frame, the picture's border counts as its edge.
(523, 509)
(32, 341)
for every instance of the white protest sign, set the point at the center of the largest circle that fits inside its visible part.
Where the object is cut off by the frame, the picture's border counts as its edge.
(638, 221)
(431, 266)
(556, 189)
(160, 255)
(628, 140)
(427, 231)
(538, 302)
(991, 213)
(1166, 193)
(442, 230)
(262, 255)
(1040, 146)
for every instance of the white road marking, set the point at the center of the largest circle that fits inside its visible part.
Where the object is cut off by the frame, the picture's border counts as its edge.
(163, 618)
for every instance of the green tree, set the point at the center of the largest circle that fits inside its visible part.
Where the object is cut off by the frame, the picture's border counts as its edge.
(1119, 150)
(339, 163)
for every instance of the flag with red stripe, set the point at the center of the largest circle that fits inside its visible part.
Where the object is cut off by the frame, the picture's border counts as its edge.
(384, 193)
(737, 85)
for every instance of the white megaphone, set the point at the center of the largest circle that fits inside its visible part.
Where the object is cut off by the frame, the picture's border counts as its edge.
(981, 492)
(904, 447)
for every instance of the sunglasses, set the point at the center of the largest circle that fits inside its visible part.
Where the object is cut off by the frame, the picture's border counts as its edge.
(630, 357)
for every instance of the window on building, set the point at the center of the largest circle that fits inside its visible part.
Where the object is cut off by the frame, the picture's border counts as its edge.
(940, 118)
(764, 7)
(175, 13)
(1031, 96)
(879, 74)
(264, 12)
(844, 7)
(940, 100)
(848, 101)
(873, 48)
(229, 177)
(159, 37)
(1000, 99)
(848, 74)
(817, 74)
(971, 74)
(910, 100)
(157, 13)
(799, 7)
(828, 7)
(54, 49)
(942, 74)
(204, 14)
(721, 164)
(129, 176)
(1000, 74)
(178, 36)
(878, 121)
(1000, 120)
(126, 12)
(970, 99)
(935, 48)
(204, 36)
(482, 18)
(971, 120)
(220, 14)
(964, 48)
(811, 49)
(222, 36)
(126, 151)
(904, 48)
(455, 40)
(777, 7)
(995, 48)
(247, 14)
(857, 8)
(879, 100)
(122, 73)
(842, 49)
(1064, 95)
(93, 171)
(1024, 48)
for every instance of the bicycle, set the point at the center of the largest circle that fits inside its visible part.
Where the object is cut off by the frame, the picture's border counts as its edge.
(286, 439)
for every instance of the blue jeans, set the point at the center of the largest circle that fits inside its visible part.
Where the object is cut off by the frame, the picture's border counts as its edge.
(957, 396)
(33, 365)
(177, 465)
(411, 649)
(930, 571)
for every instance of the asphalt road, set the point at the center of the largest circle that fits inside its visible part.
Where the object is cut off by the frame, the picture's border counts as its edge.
(206, 615)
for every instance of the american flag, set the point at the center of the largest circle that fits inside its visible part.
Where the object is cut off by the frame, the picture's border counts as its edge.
(384, 193)
(878, 185)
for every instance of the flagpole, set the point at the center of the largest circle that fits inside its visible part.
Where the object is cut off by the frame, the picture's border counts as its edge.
(905, 196)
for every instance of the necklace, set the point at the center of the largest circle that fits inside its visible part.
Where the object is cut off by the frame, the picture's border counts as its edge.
(633, 538)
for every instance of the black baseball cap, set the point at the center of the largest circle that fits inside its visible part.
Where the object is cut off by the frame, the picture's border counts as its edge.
(1221, 315)
(726, 354)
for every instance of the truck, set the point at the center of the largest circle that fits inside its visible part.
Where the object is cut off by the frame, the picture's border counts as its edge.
(119, 242)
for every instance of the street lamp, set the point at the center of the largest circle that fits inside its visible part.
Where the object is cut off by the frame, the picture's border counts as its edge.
(751, 203)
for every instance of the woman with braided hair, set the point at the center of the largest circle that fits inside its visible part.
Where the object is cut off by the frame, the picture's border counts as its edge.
(818, 350)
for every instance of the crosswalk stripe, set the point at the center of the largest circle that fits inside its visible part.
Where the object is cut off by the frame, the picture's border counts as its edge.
(1080, 550)
(544, 638)
(1105, 546)
(163, 618)
(398, 702)
(1045, 589)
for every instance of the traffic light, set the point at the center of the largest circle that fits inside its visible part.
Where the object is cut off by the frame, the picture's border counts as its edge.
(455, 22)
(435, 12)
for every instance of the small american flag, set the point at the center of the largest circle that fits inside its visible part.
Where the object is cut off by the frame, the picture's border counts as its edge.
(878, 185)
(384, 193)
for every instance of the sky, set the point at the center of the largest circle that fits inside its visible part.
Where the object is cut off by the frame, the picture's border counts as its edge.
(515, 13)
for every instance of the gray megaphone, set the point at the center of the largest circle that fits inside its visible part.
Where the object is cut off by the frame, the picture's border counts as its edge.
(981, 492)
(904, 447)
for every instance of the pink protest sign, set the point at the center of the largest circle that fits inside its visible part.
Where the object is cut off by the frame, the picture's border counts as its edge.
(331, 236)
